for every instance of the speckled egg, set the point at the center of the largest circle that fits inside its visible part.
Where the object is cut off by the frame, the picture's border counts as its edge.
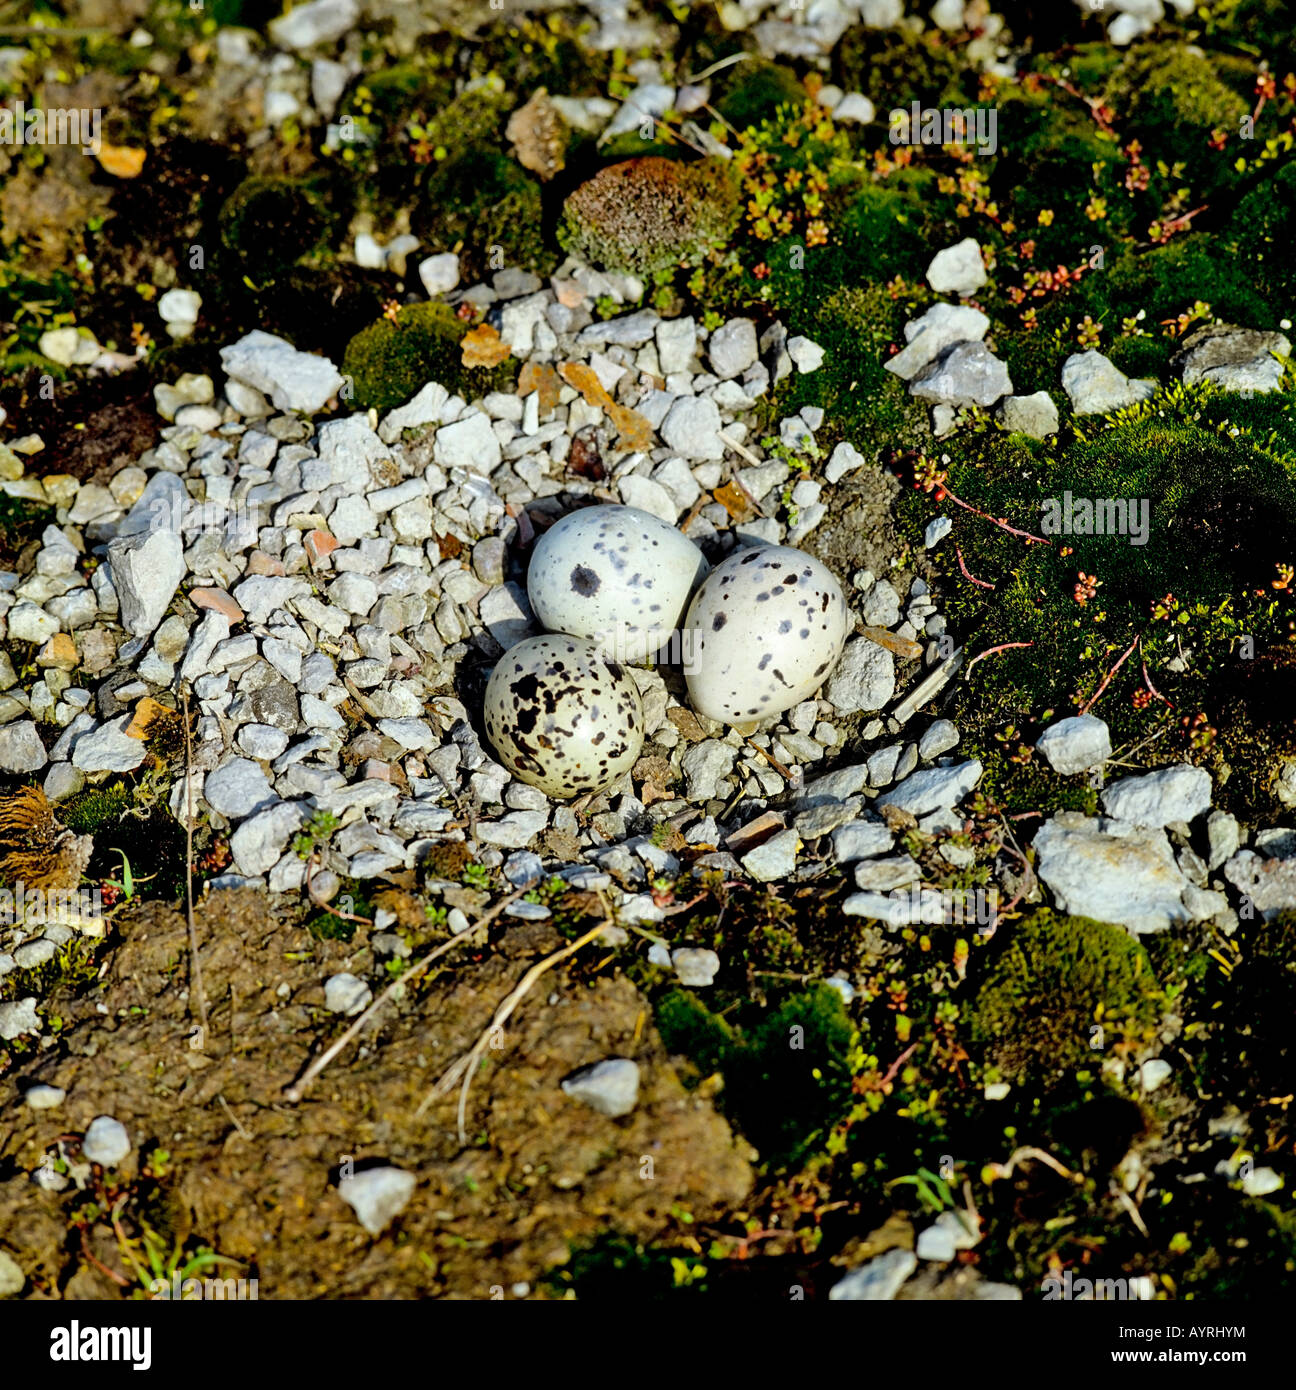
(563, 716)
(616, 574)
(762, 633)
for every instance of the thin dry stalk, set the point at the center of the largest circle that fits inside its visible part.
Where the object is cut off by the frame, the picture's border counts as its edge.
(298, 1089)
(196, 991)
(466, 1066)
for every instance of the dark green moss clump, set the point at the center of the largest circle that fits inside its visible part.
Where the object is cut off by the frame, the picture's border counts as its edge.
(272, 223)
(1057, 981)
(756, 91)
(484, 203)
(787, 1077)
(650, 214)
(390, 362)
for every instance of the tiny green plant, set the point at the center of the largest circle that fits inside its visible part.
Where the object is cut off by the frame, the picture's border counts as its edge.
(128, 880)
(932, 1190)
(314, 833)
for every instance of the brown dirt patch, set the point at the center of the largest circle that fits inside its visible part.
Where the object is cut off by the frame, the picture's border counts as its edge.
(541, 1175)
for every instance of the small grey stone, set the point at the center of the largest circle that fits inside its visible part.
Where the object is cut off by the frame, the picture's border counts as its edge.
(146, 571)
(861, 839)
(1129, 879)
(611, 1087)
(676, 344)
(940, 738)
(958, 269)
(935, 788)
(377, 1196)
(345, 994)
(886, 875)
(1034, 415)
(732, 348)
(262, 741)
(966, 374)
(293, 380)
(1076, 744)
(106, 1142)
(109, 748)
(705, 765)
(439, 274)
(17, 1018)
(881, 605)
(774, 859)
(261, 839)
(927, 337)
(44, 1097)
(1223, 837)
(692, 429)
(877, 1281)
(935, 1243)
(32, 954)
(694, 966)
(864, 679)
(238, 788)
(1235, 359)
(1097, 387)
(883, 764)
(21, 749)
(845, 459)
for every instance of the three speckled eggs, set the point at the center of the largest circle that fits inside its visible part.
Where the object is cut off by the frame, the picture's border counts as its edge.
(761, 634)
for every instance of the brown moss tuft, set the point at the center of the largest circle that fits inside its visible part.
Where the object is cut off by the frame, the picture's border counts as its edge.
(35, 849)
(649, 214)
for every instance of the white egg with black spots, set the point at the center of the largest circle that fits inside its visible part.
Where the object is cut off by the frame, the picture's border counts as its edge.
(563, 716)
(618, 575)
(762, 633)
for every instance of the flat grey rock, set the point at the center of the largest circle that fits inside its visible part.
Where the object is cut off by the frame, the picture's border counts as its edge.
(877, 1281)
(1171, 794)
(933, 789)
(611, 1087)
(292, 380)
(1097, 387)
(1130, 879)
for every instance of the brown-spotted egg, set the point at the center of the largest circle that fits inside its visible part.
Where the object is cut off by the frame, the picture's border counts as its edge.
(563, 716)
(616, 574)
(762, 633)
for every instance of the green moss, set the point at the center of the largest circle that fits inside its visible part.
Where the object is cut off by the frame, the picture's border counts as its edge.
(1171, 97)
(787, 1076)
(481, 200)
(650, 214)
(390, 362)
(271, 223)
(906, 67)
(755, 90)
(1058, 980)
(689, 1028)
(862, 402)
(96, 809)
(1217, 475)
(1259, 242)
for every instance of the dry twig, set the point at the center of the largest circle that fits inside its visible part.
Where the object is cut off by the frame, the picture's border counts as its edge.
(298, 1089)
(466, 1065)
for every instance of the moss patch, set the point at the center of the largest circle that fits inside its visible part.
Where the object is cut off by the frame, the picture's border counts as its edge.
(1061, 985)
(390, 362)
